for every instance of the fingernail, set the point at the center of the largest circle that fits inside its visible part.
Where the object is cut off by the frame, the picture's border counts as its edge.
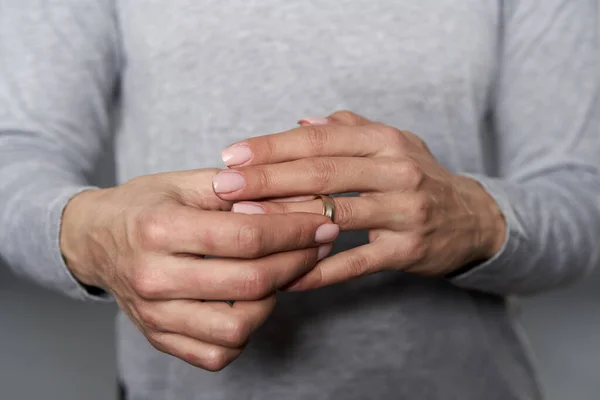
(313, 121)
(327, 233)
(228, 181)
(323, 251)
(247, 208)
(236, 154)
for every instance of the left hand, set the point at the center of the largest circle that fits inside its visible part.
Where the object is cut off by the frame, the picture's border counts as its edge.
(421, 217)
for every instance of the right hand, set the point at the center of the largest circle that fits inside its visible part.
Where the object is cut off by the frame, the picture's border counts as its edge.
(144, 242)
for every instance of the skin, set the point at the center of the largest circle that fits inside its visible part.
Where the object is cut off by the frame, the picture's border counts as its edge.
(421, 217)
(145, 241)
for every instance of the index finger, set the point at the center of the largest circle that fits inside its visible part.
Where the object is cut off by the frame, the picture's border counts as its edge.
(226, 234)
(307, 141)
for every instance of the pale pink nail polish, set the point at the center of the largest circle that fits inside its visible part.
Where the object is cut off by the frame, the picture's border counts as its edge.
(236, 155)
(323, 251)
(247, 208)
(228, 181)
(327, 233)
(314, 121)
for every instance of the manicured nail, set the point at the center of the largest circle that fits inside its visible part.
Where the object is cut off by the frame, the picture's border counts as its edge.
(228, 181)
(323, 251)
(313, 121)
(247, 208)
(236, 154)
(327, 233)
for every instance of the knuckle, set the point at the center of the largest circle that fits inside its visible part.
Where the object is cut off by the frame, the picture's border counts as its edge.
(257, 284)
(249, 240)
(152, 230)
(147, 315)
(420, 209)
(410, 173)
(210, 238)
(358, 265)
(236, 332)
(269, 148)
(345, 116)
(266, 179)
(145, 283)
(324, 171)
(300, 235)
(392, 136)
(344, 214)
(413, 249)
(317, 137)
(215, 359)
(156, 339)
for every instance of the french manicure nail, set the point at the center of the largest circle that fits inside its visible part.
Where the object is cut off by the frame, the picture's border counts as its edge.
(323, 251)
(247, 208)
(327, 233)
(313, 121)
(228, 181)
(236, 154)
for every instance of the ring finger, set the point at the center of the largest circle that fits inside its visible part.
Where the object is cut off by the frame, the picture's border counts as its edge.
(350, 213)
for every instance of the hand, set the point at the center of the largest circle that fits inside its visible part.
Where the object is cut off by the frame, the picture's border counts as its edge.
(421, 217)
(144, 242)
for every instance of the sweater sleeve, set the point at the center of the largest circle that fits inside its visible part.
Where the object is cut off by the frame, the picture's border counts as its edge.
(546, 118)
(59, 65)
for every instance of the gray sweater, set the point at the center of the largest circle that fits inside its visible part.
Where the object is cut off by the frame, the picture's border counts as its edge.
(504, 91)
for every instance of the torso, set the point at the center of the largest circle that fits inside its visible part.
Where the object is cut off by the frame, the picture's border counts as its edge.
(200, 74)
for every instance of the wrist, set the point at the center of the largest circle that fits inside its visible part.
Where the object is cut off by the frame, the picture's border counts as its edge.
(76, 229)
(490, 225)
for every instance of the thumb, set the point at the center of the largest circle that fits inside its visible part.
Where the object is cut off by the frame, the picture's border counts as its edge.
(194, 188)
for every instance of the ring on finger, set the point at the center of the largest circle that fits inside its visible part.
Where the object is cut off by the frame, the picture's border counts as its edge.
(328, 206)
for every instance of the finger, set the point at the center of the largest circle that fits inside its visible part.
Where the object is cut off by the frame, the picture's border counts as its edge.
(400, 251)
(180, 229)
(309, 141)
(191, 187)
(210, 322)
(350, 264)
(342, 117)
(315, 175)
(221, 279)
(351, 213)
(293, 199)
(345, 117)
(203, 355)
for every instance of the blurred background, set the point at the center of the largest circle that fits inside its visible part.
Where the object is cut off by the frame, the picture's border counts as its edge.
(53, 348)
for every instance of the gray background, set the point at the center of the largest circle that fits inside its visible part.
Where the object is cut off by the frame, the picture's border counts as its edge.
(56, 349)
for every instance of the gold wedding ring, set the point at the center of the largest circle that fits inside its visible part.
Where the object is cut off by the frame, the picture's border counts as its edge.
(328, 206)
